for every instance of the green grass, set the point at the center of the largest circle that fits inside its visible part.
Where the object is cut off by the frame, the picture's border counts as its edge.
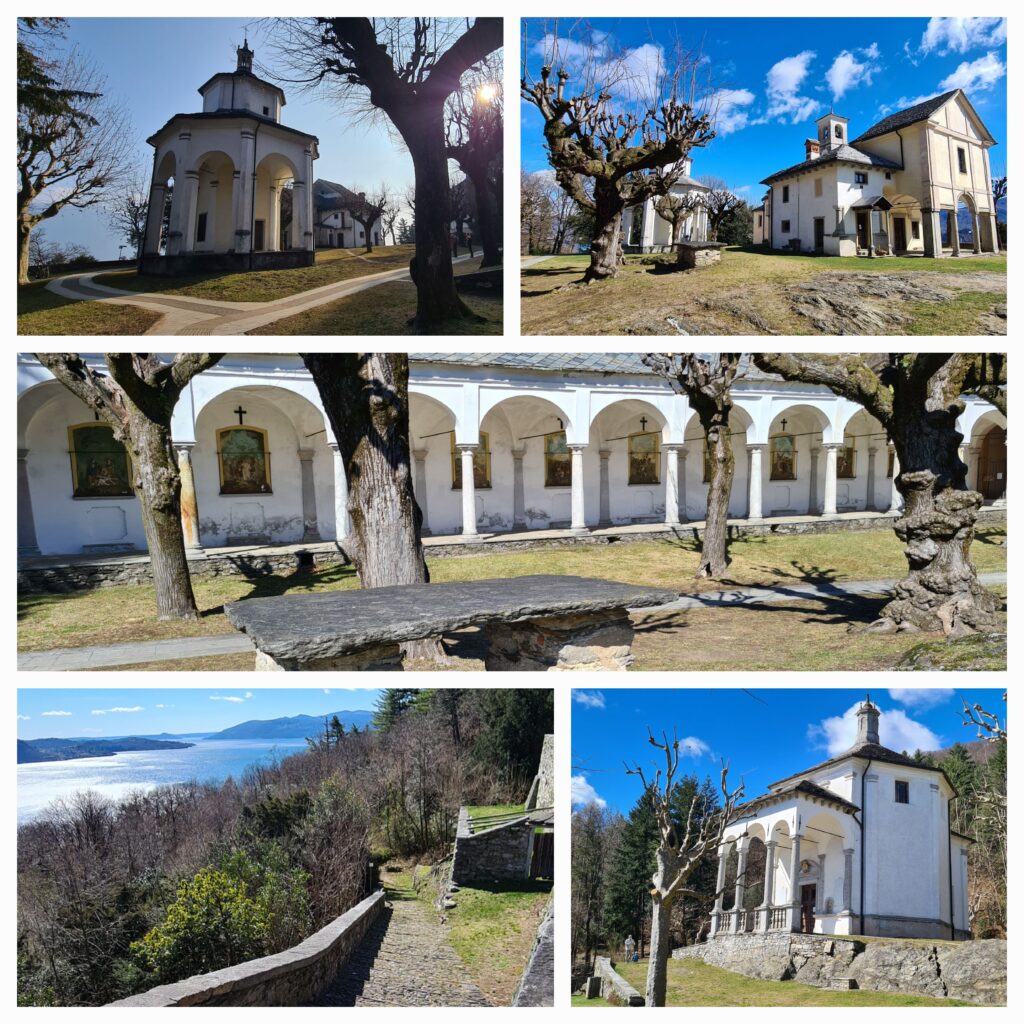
(112, 615)
(494, 809)
(694, 983)
(42, 312)
(331, 266)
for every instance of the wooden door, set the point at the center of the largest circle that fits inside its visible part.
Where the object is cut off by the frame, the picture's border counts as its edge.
(899, 226)
(257, 236)
(808, 895)
(543, 864)
(819, 234)
(863, 228)
(993, 464)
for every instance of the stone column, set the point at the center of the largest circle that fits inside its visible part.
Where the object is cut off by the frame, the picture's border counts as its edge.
(211, 219)
(819, 889)
(273, 239)
(671, 484)
(310, 531)
(869, 498)
(155, 218)
(468, 492)
(342, 522)
(683, 515)
(27, 543)
(932, 235)
(976, 231)
(812, 493)
(847, 881)
(742, 848)
(579, 520)
(307, 238)
(606, 505)
(188, 213)
(189, 503)
(302, 237)
(794, 884)
(244, 191)
(895, 498)
(769, 884)
(419, 486)
(518, 490)
(831, 471)
(754, 481)
(716, 914)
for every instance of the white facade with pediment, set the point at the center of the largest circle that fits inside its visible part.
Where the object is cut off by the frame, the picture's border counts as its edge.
(645, 230)
(541, 448)
(860, 845)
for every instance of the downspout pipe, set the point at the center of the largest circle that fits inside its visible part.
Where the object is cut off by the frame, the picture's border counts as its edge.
(252, 214)
(863, 819)
(949, 859)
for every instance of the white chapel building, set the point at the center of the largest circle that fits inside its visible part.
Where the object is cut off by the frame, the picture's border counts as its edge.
(919, 181)
(227, 168)
(644, 230)
(501, 443)
(860, 844)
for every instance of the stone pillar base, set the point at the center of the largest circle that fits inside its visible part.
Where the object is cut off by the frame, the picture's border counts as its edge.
(191, 554)
(376, 658)
(589, 641)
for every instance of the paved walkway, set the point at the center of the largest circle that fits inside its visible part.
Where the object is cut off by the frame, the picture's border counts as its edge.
(404, 961)
(71, 659)
(532, 261)
(184, 315)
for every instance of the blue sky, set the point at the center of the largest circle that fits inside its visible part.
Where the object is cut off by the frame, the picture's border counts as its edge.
(764, 734)
(778, 75)
(127, 712)
(134, 55)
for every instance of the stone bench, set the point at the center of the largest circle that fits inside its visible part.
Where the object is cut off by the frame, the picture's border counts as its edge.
(531, 623)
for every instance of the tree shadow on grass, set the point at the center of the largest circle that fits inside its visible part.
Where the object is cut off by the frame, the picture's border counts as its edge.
(268, 582)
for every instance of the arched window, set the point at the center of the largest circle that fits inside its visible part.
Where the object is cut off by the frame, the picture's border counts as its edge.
(783, 447)
(557, 460)
(846, 460)
(481, 463)
(644, 458)
(244, 460)
(100, 466)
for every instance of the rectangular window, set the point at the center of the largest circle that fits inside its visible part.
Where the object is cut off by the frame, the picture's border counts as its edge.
(915, 229)
(902, 792)
(557, 460)
(644, 458)
(481, 463)
(819, 186)
(860, 178)
(759, 220)
(785, 193)
(785, 227)
(201, 228)
(961, 159)
(266, 111)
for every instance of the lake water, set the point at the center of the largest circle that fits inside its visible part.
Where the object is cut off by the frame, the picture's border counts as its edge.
(207, 761)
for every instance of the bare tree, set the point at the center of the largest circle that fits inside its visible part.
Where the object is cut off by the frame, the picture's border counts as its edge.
(389, 211)
(917, 398)
(681, 849)
(720, 201)
(370, 210)
(677, 208)
(128, 207)
(137, 397)
(989, 725)
(998, 190)
(629, 137)
(707, 380)
(535, 212)
(68, 155)
(405, 68)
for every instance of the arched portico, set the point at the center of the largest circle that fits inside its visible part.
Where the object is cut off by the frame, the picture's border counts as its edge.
(214, 220)
(985, 455)
(695, 473)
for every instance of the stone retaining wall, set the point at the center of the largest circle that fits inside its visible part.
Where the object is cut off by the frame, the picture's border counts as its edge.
(542, 792)
(537, 985)
(501, 853)
(294, 977)
(612, 986)
(972, 971)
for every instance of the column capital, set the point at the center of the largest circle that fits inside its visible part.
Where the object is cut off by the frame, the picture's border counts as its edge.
(833, 446)
(333, 445)
(757, 446)
(467, 447)
(577, 447)
(872, 450)
(419, 454)
(518, 453)
(306, 454)
(673, 446)
(604, 453)
(183, 446)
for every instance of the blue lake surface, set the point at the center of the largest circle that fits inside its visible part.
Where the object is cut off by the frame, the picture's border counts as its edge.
(207, 761)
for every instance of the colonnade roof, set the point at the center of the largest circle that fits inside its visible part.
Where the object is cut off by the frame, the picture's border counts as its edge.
(805, 789)
(595, 362)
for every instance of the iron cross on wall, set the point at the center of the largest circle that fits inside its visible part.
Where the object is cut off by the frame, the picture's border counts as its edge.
(240, 412)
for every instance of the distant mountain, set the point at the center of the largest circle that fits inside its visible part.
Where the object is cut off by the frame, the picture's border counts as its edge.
(296, 728)
(55, 749)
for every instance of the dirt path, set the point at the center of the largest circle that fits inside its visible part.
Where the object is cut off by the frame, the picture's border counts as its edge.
(404, 961)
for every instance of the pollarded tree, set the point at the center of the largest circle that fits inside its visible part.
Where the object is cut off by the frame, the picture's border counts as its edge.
(370, 210)
(137, 397)
(628, 138)
(682, 849)
(675, 209)
(405, 69)
(917, 398)
(706, 380)
(720, 201)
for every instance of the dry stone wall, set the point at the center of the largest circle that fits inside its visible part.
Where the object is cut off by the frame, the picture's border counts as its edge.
(612, 986)
(501, 853)
(537, 985)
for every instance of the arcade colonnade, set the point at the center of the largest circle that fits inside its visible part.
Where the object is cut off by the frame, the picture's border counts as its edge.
(260, 464)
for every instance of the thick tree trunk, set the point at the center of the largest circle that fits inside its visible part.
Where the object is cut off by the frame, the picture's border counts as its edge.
(487, 219)
(437, 301)
(24, 235)
(713, 557)
(606, 246)
(657, 969)
(941, 591)
(158, 485)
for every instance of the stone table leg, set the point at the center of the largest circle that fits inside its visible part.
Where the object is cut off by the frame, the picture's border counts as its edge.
(586, 641)
(375, 658)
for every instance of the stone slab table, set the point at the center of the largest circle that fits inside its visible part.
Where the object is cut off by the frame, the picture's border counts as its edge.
(532, 623)
(695, 255)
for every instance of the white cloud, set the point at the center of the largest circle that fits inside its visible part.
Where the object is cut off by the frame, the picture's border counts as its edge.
(731, 117)
(692, 746)
(918, 697)
(56, 714)
(784, 81)
(584, 793)
(248, 694)
(327, 691)
(162, 706)
(124, 711)
(847, 72)
(24, 718)
(233, 700)
(976, 75)
(589, 698)
(97, 711)
(896, 730)
(958, 35)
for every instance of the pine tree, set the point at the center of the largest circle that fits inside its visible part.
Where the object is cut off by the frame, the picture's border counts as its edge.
(390, 706)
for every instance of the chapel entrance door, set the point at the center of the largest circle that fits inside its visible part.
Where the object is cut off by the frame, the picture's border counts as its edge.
(863, 225)
(993, 464)
(819, 234)
(899, 226)
(808, 895)
(257, 236)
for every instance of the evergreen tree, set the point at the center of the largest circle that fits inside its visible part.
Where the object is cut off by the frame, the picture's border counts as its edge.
(390, 706)
(517, 721)
(629, 879)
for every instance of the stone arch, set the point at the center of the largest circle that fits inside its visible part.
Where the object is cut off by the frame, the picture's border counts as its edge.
(275, 224)
(822, 864)
(215, 202)
(966, 222)
(431, 423)
(617, 414)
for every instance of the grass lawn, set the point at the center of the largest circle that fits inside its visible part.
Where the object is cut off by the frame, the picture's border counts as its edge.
(744, 294)
(695, 983)
(493, 809)
(112, 615)
(43, 312)
(331, 266)
(386, 309)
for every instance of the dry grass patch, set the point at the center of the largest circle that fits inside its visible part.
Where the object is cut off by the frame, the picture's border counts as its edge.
(42, 312)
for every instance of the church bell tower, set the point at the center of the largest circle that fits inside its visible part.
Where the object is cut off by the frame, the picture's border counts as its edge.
(832, 131)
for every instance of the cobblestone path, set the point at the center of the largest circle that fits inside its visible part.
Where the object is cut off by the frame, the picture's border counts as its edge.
(404, 961)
